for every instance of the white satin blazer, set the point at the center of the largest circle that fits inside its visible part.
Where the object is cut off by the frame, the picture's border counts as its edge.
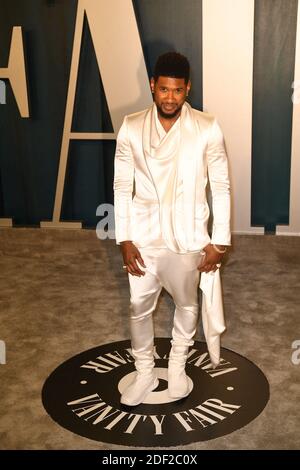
(202, 157)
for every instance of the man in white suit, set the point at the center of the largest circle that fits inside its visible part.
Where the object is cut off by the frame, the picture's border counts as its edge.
(164, 158)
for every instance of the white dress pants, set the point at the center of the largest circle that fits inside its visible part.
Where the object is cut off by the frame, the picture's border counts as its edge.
(178, 274)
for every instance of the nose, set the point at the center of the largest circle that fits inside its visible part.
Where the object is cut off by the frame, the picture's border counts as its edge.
(170, 97)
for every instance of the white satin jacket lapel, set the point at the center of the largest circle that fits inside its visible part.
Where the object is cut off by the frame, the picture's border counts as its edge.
(188, 165)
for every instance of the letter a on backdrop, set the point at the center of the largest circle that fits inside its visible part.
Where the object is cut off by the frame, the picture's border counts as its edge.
(118, 49)
(16, 74)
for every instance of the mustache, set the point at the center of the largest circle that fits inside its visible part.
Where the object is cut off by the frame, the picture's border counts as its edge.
(166, 115)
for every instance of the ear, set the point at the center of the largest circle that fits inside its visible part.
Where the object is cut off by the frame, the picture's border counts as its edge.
(188, 87)
(152, 84)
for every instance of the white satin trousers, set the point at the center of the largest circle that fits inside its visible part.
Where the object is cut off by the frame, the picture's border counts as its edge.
(179, 275)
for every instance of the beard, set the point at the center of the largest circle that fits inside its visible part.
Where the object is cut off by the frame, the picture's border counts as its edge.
(169, 115)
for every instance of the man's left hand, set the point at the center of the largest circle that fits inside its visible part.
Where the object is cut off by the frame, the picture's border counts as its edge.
(211, 259)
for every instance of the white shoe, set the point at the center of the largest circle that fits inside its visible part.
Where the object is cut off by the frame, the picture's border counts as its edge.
(138, 390)
(178, 385)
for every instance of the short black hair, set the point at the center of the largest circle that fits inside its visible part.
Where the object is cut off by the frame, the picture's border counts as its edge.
(172, 64)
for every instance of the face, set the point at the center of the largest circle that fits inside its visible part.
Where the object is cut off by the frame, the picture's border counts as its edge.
(169, 95)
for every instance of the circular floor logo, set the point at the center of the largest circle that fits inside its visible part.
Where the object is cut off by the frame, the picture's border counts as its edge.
(83, 395)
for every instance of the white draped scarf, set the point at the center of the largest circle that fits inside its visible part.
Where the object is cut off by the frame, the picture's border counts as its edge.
(178, 145)
(213, 320)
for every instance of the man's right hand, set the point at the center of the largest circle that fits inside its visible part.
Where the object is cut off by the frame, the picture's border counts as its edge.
(130, 257)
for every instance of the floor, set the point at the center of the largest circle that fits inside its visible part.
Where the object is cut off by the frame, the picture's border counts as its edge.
(64, 291)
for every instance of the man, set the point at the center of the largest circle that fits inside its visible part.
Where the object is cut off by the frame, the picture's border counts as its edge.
(164, 157)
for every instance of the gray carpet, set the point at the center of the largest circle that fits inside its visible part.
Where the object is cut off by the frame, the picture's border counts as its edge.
(63, 292)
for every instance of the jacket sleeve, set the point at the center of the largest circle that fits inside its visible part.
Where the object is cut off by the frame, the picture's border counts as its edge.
(123, 185)
(220, 186)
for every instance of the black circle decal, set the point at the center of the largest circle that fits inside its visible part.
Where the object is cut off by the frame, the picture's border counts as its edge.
(83, 395)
